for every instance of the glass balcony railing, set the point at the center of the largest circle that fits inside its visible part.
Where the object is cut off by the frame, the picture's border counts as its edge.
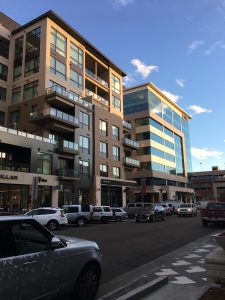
(127, 125)
(99, 79)
(69, 95)
(69, 145)
(131, 143)
(50, 111)
(97, 97)
(132, 162)
(64, 172)
(12, 166)
(27, 135)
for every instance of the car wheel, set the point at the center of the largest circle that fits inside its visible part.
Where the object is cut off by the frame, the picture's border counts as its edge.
(81, 222)
(118, 219)
(138, 221)
(152, 218)
(87, 283)
(178, 215)
(163, 219)
(53, 225)
(103, 220)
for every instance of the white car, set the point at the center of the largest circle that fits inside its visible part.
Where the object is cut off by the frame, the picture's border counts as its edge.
(102, 214)
(187, 209)
(50, 217)
(119, 214)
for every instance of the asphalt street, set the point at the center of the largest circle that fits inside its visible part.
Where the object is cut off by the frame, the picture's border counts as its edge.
(128, 245)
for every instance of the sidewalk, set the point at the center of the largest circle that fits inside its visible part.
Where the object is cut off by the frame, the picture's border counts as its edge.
(183, 267)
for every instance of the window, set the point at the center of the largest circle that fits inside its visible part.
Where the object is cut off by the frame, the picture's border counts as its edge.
(76, 79)
(84, 168)
(116, 153)
(18, 57)
(156, 125)
(57, 87)
(176, 121)
(32, 55)
(58, 68)
(30, 90)
(103, 128)
(2, 94)
(76, 55)
(169, 144)
(169, 157)
(15, 117)
(44, 163)
(16, 95)
(84, 119)
(116, 103)
(2, 118)
(167, 113)
(84, 143)
(157, 152)
(4, 47)
(34, 108)
(58, 42)
(156, 138)
(142, 122)
(3, 72)
(115, 133)
(115, 84)
(168, 132)
(103, 150)
(116, 172)
(103, 170)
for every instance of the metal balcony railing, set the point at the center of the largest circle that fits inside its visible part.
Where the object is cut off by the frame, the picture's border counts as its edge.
(64, 172)
(97, 97)
(69, 145)
(99, 79)
(127, 125)
(131, 143)
(132, 162)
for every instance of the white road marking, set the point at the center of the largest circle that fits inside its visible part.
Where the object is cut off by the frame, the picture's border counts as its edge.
(181, 263)
(201, 250)
(195, 269)
(192, 256)
(182, 280)
(166, 272)
(209, 246)
(205, 279)
(201, 261)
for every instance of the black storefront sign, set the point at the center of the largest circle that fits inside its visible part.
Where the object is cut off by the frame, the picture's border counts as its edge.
(9, 177)
(118, 183)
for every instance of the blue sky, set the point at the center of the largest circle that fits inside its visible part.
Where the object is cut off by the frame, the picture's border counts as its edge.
(179, 45)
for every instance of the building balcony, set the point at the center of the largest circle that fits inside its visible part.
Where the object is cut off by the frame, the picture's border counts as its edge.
(131, 144)
(130, 162)
(62, 98)
(127, 126)
(16, 167)
(68, 147)
(97, 97)
(97, 78)
(67, 174)
(55, 119)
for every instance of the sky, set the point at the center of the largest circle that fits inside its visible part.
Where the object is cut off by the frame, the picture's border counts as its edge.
(179, 45)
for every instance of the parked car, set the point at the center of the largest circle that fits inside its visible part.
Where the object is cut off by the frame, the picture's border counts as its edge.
(39, 265)
(174, 204)
(50, 217)
(102, 214)
(150, 213)
(79, 214)
(213, 213)
(168, 210)
(133, 207)
(187, 209)
(119, 214)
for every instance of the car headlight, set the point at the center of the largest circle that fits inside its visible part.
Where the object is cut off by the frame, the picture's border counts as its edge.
(178, 209)
(189, 209)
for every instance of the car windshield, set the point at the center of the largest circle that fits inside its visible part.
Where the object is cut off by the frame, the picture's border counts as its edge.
(186, 205)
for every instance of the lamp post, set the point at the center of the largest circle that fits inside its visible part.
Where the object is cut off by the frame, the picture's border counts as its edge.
(201, 166)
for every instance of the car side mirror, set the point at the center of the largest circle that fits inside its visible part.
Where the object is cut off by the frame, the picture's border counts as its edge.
(55, 242)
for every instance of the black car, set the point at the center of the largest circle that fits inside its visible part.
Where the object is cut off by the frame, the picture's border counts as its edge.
(150, 213)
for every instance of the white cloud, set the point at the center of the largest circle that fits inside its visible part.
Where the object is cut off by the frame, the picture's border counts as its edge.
(180, 82)
(205, 153)
(122, 3)
(199, 110)
(143, 69)
(214, 46)
(128, 79)
(194, 45)
(171, 96)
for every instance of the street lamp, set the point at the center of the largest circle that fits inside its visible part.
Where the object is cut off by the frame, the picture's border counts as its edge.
(201, 166)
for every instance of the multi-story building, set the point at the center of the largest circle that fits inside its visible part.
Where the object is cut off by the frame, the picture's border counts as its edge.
(56, 86)
(161, 128)
(209, 185)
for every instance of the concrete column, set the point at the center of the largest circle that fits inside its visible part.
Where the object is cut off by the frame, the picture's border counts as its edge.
(55, 196)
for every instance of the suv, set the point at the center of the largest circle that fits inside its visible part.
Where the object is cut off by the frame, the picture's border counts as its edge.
(119, 214)
(78, 214)
(35, 264)
(150, 213)
(102, 214)
(187, 209)
(50, 217)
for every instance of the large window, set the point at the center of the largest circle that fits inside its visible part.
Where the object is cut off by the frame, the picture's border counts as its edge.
(18, 58)
(58, 42)
(32, 55)
(167, 113)
(2, 118)
(116, 103)
(84, 144)
(116, 153)
(30, 90)
(155, 104)
(2, 94)
(156, 138)
(4, 47)
(103, 170)
(3, 72)
(16, 95)
(84, 119)
(44, 163)
(103, 128)
(83, 168)
(76, 79)
(58, 68)
(115, 84)
(76, 55)
(15, 117)
(115, 133)
(116, 172)
(176, 121)
(103, 150)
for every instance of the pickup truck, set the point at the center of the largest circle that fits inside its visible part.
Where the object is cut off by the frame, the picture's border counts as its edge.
(213, 213)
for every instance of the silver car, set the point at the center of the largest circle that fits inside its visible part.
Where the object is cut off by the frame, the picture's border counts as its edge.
(35, 264)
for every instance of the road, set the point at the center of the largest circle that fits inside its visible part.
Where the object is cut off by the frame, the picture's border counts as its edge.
(128, 244)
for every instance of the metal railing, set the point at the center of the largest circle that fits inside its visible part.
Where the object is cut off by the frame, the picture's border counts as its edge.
(69, 145)
(131, 143)
(127, 124)
(99, 79)
(95, 96)
(133, 162)
(18, 167)
(69, 95)
(50, 111)
(64, 172)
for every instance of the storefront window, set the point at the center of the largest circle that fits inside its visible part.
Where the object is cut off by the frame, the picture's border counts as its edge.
(44, 163)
